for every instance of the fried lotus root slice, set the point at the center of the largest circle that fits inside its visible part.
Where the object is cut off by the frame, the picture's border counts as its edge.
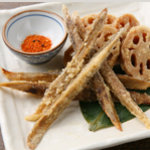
(135, 53)
(88, 20)
(111, 19)
(103, 37)
(124, 19)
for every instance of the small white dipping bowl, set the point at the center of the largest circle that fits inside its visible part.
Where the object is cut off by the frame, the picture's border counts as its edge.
(38, 22)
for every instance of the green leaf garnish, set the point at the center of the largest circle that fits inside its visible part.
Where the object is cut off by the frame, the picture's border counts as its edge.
(97, 118)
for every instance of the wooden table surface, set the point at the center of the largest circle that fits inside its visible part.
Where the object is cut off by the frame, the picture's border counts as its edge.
(138, 145)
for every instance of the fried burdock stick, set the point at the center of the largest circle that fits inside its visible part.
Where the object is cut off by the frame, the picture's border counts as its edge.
(104, 98)
(128, 81)
(122, 94)
(17, 76)
(72, 31)
(65, 87)
(133, 83)
(38, 89)
(79, 25)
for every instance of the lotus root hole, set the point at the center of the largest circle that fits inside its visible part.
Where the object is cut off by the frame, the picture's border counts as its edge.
(141, 69)
(106, 37)
(136, 40)
(133, 60)
(114, 47)
(144, 37)
(99, 35)
(90, 20)
(121, 39)
(130, 21)
(148, 64)
(110, 56)
(109, 21)
(131, 48)
(122, 24)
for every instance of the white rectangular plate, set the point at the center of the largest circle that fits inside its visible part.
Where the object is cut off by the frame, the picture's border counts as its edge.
(70, 131)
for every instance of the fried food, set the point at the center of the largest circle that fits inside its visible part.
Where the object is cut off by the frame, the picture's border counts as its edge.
(140, 98)
(135, 53)
(21, 76)
(72, 77)
(68, 54)
(122, 94)
(79, 25)
(111, 20)
(73, 67)
(112, 58)
(124, 19)
(88, 55)
(133, 83)
(71, 91)
(89, 19)
(72, 31)
(103, 37)
(101, 89)
(104, 98)
(36, 88)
